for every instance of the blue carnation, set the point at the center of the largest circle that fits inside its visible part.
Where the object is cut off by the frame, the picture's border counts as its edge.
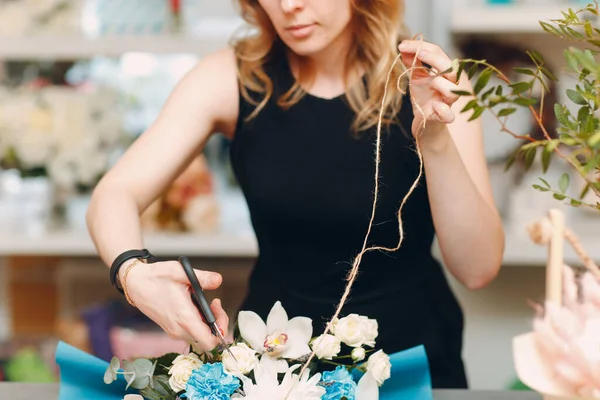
(211, 382)
(338, 384)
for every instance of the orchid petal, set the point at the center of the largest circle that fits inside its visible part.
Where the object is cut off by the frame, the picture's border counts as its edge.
(295, 349)
(273, 364)
(367, 388)
(252, 329)
(277, 319)
(300, 328)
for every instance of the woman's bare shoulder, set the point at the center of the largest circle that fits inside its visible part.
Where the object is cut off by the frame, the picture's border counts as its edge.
(215, 76)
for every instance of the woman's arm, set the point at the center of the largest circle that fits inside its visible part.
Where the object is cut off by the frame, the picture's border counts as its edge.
(204, 102)
(467, 223)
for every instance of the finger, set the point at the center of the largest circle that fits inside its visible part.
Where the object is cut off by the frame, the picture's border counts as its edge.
(195, 329)
(412, 46)
(208, 280)
(431, 55)
(221, 316)
(445, 89)
(443, 112)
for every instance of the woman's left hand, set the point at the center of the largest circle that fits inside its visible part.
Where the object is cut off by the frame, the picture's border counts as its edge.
(432, 92)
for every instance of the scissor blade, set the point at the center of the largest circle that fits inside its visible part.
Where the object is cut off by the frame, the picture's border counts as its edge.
(225, 345)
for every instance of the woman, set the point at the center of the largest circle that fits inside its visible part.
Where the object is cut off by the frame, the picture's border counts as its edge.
(300, 102)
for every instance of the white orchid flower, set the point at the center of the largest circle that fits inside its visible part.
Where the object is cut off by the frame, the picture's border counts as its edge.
(292, 387)
(367, 388)
(278, 338)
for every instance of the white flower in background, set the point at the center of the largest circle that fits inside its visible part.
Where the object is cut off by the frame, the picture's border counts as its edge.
(358, 354)
(327, 346)
(33, 149)
(201, 214)
(279, 337)
(356, 330)
(292, 387)
(245, 356)
(182, 369)
(379, 366)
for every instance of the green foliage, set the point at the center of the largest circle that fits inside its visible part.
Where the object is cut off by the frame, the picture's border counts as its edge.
(576, 138)
(137, 373)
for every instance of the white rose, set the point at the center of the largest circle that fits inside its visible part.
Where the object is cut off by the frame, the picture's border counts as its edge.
(182, 369)
(379, 366)
(371, 331)
(358, 354)
(245, 356)
(327, 346)
(356, 330)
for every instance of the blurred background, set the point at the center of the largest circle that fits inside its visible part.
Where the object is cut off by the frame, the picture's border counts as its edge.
(81, 79)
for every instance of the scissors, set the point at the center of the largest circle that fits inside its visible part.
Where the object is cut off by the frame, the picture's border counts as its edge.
(201, 303)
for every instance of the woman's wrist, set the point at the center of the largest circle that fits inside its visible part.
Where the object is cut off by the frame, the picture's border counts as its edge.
(435, 141)
(121, 276)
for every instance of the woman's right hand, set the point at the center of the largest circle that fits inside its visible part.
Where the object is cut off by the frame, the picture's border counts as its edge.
(162, 292)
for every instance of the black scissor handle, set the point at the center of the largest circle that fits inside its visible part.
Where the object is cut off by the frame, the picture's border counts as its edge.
(198, 297)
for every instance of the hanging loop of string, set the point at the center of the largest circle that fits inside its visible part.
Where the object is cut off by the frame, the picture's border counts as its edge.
(353, 274)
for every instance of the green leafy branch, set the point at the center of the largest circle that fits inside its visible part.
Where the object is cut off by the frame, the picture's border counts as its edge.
(577, 136)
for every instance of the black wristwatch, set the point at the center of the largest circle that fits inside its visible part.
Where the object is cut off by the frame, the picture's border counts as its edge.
(143, 254)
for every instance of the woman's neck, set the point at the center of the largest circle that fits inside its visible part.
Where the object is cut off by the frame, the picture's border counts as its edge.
(327, 68)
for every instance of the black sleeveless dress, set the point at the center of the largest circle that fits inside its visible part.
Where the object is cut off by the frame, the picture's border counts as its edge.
(308, 182)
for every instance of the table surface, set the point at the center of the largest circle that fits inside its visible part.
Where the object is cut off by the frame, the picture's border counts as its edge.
(23, 391)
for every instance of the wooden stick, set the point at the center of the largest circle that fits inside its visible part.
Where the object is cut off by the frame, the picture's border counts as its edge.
(555, 261)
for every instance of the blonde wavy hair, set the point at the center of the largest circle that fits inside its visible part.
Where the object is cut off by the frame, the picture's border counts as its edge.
(377, 27)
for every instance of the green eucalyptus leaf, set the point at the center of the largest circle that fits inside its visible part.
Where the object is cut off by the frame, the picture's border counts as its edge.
(585, 190)
(511, 160)
(506, 111)
(487, 94)
(561, 115)
(530, 157)
(462, 93)
(576, 97)
(545, 182)
(472, 71)
(144, 370)
(520, 87)
(571, 61)
(110, 375)
(525, 71)
(546, 157)
(477, 113)
(548, 74)
(522, 101)
(594, 139)
(559, 196)
(540, 188)
(536, 57)
(471, 104)
(563, 182)
(482, 80)
(587, 26)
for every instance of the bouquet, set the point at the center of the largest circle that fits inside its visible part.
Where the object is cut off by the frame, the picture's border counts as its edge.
(559, 357)
(268, 363)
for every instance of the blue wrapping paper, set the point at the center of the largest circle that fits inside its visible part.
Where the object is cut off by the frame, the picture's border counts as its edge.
(82, 376)
(410, 378)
